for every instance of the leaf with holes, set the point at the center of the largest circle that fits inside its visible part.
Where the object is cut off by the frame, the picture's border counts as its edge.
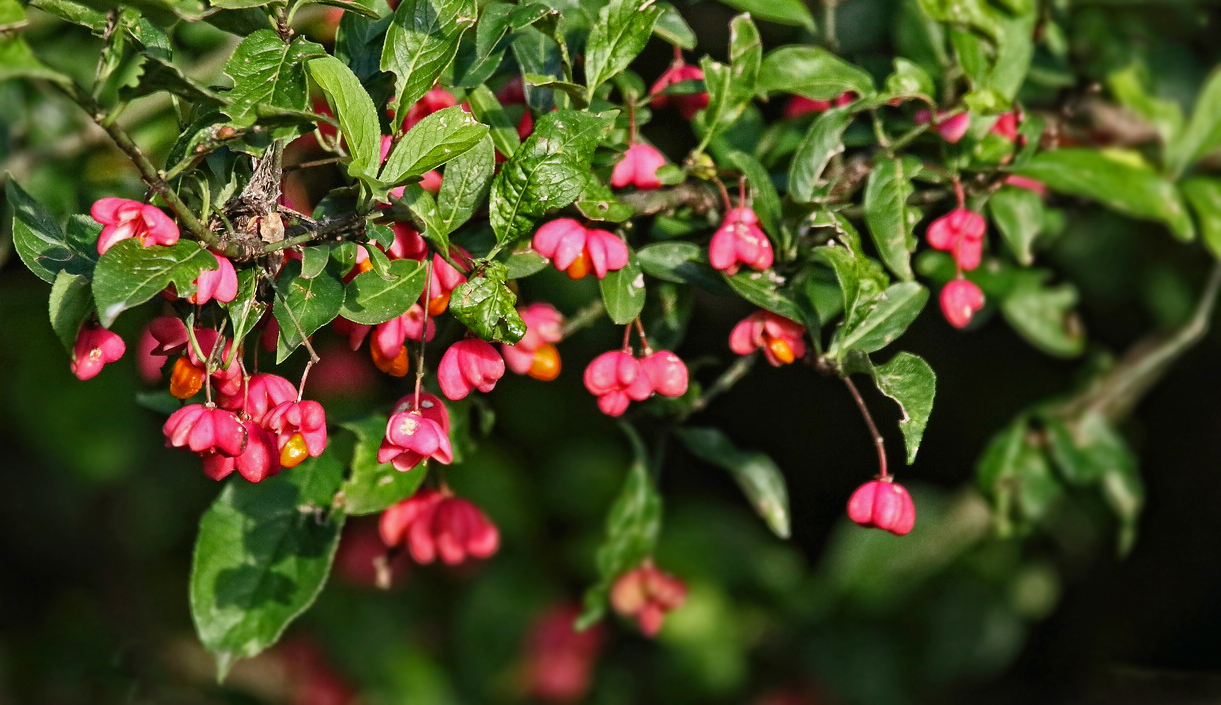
(485, 305)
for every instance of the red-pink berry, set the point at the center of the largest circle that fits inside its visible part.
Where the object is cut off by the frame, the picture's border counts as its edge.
(433, 525)
(575, 249)
(638, 166)
(667, 373)
(544, 324)
(219, 283)
(617, 378)
(204, 428)
(95, 346)
(414, 435)
(259, 461)
(782, 340)
(124, 218)
(469, 364)
(740, 241)
(646, 594)
(961, 232)
(688, 104)
(305, 418)
(883, 504)
(960, 299)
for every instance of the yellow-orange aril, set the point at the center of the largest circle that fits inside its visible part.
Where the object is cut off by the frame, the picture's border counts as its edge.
(294, 451)
(781, 350)
(396, 366)
(579, 266)
(546, 363)
(186, 379)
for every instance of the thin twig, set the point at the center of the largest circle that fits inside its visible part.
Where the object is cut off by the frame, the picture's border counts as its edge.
(419, 362)
(313, 354)
(1121, 387)
(148, 172)
(873, 428)
(583, 317)
(724, 383)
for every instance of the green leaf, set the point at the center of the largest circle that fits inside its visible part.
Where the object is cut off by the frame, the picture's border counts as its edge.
(1044, 315)
(1203, 132)
(537, 53)
(623, 291)
(546, 173)
(622, 30)
(1117, 179)
(42, 244)
(811, 71)
(822, 142)
(1089, 451)
(909, 80)
(431, 142)
(790, 12)
(266, 70)
(466, 183)
(130, 274)
(374, 487)
(682, 263)
(910, 381)
(245, 310)
(478, 59)
(485, 305)
(994, 47)
(598, 202)
(314, 259)
(488, 109)
(1204, 195)
(74, 12)
(524, 263)
(18, 61)
(730, 89)
(354, 109)
(70, 304)
(358, 43)
(1086, 448)
(886, 214)
(632, 527)
(847, 273)
(158, 75)
(762, 290)
(765, 200)
(262, 556)
(311, 303)
(421, 43)
(356, 7)
(756, 473)
(527, 188)
(370, 299)
(1018, 214)
(672, 28)
(883, 318)
(1128, 87)
(1016, 476)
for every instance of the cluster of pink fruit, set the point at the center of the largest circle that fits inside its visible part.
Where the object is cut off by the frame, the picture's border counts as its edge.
(260, 424)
